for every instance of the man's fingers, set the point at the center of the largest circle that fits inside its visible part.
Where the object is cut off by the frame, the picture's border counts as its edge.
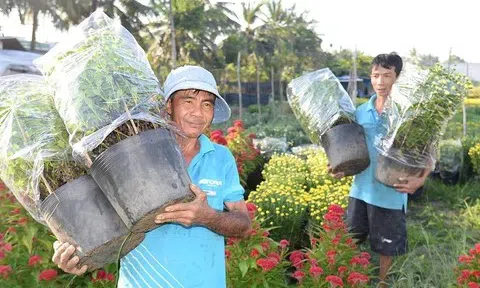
(66, 255)
(58, 252)
(195, 189)
(72, 263)
(82, 270)
(178, 207)
(173, 216)
(56, 245)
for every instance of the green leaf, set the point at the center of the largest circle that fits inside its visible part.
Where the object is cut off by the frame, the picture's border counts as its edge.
(243, 265)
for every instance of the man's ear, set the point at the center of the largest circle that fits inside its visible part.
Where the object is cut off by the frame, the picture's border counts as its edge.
(168, 109)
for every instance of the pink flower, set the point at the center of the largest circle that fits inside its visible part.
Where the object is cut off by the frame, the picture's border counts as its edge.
(228, 253)
(473, 285)
(316, 271)
(356, 278)
(254, 253)
(34, 260)
(334, 281)
(5, 270)
(48, 274)
(298, 275)
(284, 243)
(266, 264)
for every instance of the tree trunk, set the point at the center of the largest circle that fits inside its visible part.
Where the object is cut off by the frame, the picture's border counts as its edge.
(34, 30)
(272, 78)
(173, 41)
(258, 91)
(239, 87)
(280, 88)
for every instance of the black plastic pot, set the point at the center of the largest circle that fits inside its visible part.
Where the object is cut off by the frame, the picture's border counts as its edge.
(389, 171)
(79, 213)
(141, 175)
(346, 148)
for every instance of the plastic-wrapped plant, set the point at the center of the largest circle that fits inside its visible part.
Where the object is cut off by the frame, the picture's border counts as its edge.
(417, 112)
(326, 113)
(320, 103)
(103, 82)
(34, 149)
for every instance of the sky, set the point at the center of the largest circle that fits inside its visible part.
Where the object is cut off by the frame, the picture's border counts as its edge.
(372, 26)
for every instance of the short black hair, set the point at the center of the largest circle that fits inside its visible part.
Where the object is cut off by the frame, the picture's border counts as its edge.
(388, 61)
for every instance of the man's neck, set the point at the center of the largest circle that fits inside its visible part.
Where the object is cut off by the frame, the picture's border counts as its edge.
(189, 147)
(380, 103)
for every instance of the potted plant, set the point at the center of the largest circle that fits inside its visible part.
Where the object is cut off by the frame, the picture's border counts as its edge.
(326, 113)
(36, 165)
(414, 120)
(111, 103)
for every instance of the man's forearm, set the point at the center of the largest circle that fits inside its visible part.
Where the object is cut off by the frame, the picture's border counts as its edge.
(231, 223)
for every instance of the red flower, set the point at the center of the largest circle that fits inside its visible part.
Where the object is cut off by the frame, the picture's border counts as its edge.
(316, 271)
(5, 270)
(232, 130)
(252, 232)
(266, 264)
(337, 239)
(228, 253)
(254, 253)
(473, 285)
(6, 247)
(284, 243)
(12, 230)
(356, 278)
(275, 256)
(102, 275)
(297, 258)
(266, 233)
(232, 240)
(476, 274)
(265, 245)
(2, 255)
(298, 275)
(252, 209)
(22, 221)
(465, 259)
(335, 209)
(334, 281)
(238, 123)
(365, 255)
(48, 274)
(342, 270)
(15, 211)
(216, 132)
(34, 260)
(360, 261)
(331, 256)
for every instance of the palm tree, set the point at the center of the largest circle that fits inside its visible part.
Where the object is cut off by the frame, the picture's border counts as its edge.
(198, 25)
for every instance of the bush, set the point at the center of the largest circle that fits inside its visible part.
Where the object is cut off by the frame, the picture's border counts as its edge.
(297, 190)
(474, 153)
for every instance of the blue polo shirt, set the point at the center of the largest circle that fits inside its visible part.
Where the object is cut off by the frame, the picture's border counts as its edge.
(175, 256)
(365, 187)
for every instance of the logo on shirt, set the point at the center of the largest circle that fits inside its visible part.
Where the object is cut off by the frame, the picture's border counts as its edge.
(210, 185)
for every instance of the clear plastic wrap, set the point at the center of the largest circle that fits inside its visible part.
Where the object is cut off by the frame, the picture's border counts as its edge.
(33, 138)
(417, 112)
(102, 79)
(319, 102)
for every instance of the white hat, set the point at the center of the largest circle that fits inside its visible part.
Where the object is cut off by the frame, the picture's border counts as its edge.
(196, 77)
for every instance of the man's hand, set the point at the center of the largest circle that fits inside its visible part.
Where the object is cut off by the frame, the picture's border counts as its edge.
(63, 258)
(196, 212)
(337, 175)
(409, 184)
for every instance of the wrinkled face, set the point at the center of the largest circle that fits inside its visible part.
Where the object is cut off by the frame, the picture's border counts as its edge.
(192, 111)
(383, 79)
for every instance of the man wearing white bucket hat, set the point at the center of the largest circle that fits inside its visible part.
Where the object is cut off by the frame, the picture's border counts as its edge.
(188, 250)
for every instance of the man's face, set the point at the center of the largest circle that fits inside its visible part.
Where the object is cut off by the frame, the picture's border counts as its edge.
(383, 79)
(192, 111)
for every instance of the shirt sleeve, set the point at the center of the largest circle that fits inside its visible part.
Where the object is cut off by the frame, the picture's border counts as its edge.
(233, 191)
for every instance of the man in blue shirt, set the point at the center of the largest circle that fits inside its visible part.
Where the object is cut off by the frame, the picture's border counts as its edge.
(375, 209)
(188, 249)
